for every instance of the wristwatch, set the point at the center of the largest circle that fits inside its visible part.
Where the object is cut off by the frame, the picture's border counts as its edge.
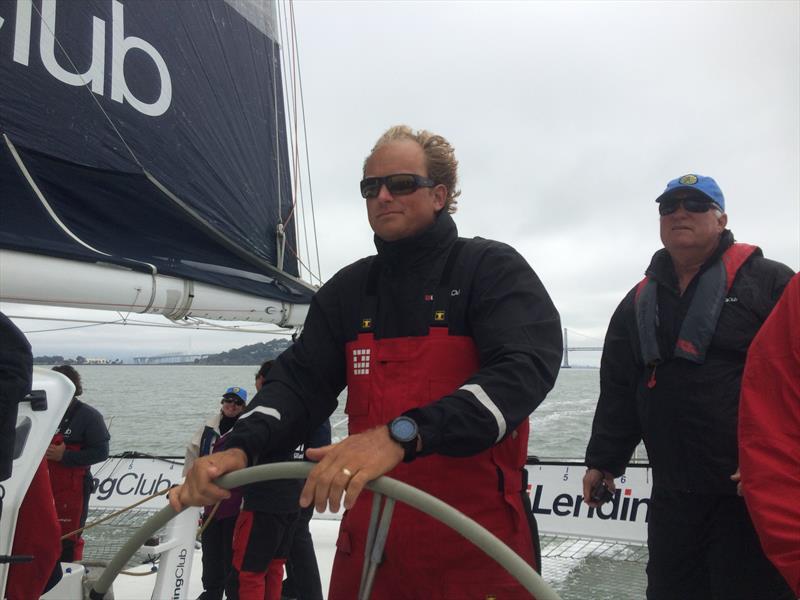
(405, 432)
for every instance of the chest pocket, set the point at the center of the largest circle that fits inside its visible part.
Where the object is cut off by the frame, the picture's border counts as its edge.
(360, 369)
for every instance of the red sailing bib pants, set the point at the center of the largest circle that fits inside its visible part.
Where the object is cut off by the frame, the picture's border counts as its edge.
(37, 536)
(68, 492)
(423, 558)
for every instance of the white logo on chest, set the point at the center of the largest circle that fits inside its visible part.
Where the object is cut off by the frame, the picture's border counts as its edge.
(361, 361)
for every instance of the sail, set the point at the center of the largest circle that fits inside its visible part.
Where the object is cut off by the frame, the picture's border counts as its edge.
(148, 135)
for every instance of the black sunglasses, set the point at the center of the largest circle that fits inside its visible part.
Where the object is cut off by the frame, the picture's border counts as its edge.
(399, 184)
(237, 401)
(694, 205)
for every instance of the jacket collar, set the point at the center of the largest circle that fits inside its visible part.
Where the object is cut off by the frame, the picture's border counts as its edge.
(662, 268)
(417, 248)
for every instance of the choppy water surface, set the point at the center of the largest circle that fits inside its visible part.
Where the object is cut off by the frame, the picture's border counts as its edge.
(155, 409)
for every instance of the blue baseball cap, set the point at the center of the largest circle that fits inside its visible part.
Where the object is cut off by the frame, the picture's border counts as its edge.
(241, 393)
(701, 184)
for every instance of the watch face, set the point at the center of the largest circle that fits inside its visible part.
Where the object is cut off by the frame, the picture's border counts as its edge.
(404, 429)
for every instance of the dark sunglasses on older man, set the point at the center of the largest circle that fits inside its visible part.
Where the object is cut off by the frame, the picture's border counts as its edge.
(399, 184)
(693, 205)
(237, 401)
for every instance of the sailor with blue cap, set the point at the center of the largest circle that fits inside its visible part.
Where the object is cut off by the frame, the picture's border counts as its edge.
(220, 522)
(670, 375)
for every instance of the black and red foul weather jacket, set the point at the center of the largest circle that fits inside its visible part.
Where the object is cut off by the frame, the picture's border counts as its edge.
(499, 302)
(685, 409)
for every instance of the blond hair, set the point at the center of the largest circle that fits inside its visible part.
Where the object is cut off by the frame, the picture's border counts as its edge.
(440, 158)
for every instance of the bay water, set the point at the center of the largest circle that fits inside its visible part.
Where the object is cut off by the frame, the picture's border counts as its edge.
(155, 409)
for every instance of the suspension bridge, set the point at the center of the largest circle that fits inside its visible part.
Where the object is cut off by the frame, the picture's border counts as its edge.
(568, 348)
(169, 359)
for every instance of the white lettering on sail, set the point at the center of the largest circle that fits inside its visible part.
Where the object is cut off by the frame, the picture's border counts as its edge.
(119, 48)
(47, 47)
(94, 76)
(22, 32)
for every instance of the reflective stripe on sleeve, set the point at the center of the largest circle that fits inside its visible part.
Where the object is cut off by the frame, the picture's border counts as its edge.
(270, 412)
(484, 399)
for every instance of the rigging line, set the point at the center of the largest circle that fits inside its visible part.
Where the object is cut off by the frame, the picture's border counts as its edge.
(292, 40)
(289, 93)
(292, 81)
(311, 275)
(129, 455)
(115, 514)
(113, 461)
(290, 90)
(207, 521)
(275, 106)
(173, 325)
(308, 160)
(299, 260)
(86, 85)
(300, 196)
(304, 222)
(210, 230)
(135, 298)
(208, 326)
(68, 328)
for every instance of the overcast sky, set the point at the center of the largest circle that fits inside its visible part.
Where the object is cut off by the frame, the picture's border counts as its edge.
(568, 119)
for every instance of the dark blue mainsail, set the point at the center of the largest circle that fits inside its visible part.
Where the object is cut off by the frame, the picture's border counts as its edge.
(155, 132)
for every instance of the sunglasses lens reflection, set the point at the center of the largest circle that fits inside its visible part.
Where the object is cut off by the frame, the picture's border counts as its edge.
(667, 207)
(370, 187)
(398, 185)
(694, 205)
(401, 184)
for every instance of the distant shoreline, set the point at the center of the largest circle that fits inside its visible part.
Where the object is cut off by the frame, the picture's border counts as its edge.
(130, 364)
(251, 355)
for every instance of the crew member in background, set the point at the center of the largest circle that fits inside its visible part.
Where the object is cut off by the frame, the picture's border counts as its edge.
(446, 345)
(37, 529)
(769, 434)
(219, 521)
(265, 526)
(670, 374)
(80, 441)
(302, 571)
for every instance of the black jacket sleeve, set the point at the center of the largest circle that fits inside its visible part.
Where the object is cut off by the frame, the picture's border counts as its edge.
(517, 331)
(92, 429)
(16, 371)
(302, 386)
(616, 430)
